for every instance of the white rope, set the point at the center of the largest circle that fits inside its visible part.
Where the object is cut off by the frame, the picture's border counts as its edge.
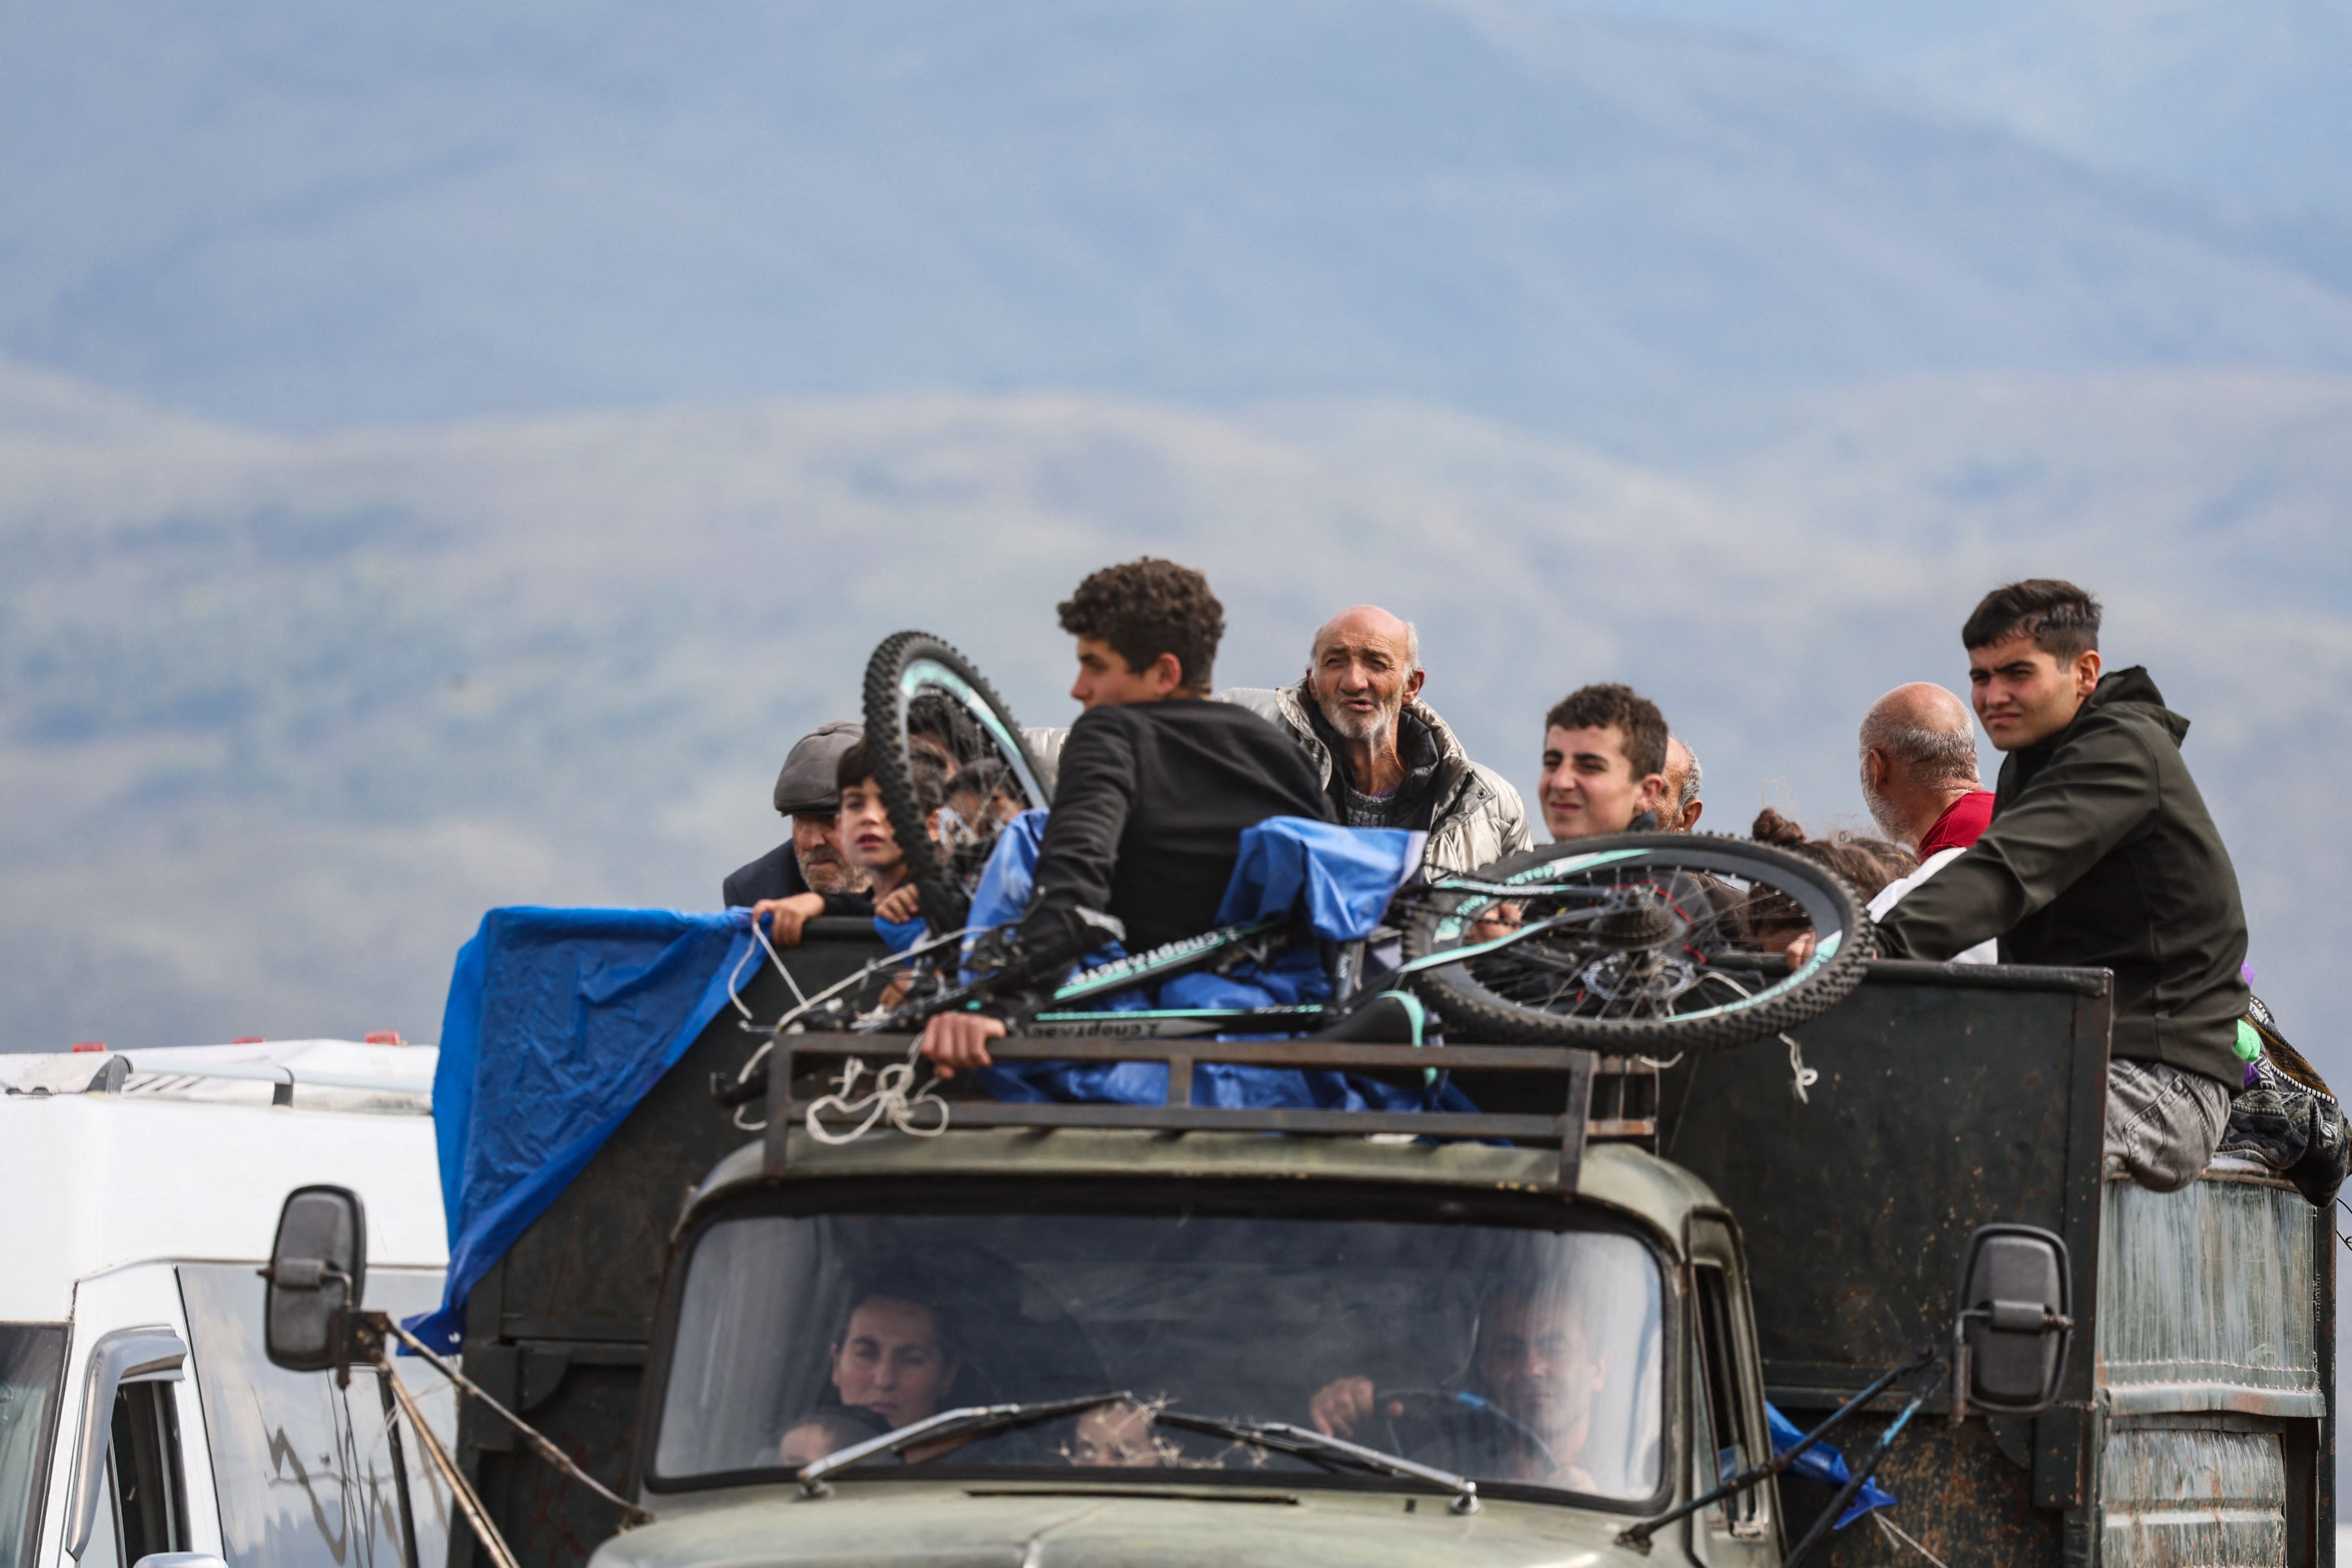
(1897, 1530)
(1801, 1077)
(888, 1099)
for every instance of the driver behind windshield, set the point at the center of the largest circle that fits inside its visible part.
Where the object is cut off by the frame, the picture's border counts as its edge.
(888, 1358)
(1535, 1364)
(1157, 784)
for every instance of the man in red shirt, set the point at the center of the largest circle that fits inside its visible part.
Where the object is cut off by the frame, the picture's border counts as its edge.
(1919, 769)
(1920, 780)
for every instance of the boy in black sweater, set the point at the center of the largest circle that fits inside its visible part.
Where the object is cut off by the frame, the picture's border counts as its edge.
(1157, 784)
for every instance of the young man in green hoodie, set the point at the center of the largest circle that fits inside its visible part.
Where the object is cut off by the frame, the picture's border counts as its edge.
(2099, 854)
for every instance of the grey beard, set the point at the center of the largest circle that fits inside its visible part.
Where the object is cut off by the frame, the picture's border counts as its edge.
(1367, 728)
(827, 872)
(1880, 814)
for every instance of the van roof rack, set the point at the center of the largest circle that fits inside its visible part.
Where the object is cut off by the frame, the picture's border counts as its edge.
(1623, 1088)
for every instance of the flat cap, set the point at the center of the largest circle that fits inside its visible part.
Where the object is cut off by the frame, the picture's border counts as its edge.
(806, 785)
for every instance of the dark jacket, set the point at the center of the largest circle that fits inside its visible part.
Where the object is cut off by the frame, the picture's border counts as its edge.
(1147, 822)
(775, 875)
(2101, 854)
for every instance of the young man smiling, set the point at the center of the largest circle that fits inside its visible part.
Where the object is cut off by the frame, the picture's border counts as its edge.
(1604, 763)
(2100, 854)
(1156, 784)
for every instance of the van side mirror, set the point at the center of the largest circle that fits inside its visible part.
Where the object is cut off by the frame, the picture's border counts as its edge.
(318, 1270)
(2013, 1322)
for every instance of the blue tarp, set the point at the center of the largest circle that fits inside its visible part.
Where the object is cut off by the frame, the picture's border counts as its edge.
(1337, 880)
(1824, 1464)
(559, 1022)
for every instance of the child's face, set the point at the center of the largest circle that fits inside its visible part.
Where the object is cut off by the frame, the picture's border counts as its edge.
(1117, 1435)
(811, 1441)
(865, 834)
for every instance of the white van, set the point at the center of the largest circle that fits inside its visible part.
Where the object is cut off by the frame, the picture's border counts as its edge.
(139, 1194)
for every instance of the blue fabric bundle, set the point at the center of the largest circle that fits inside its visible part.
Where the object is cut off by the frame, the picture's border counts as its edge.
(559, 1022)
(1334, 881)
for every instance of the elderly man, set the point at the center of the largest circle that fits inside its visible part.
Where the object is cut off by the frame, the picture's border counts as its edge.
(1920, 780)
(811, 861)
(1919, 770)
(1684, 780)
(1384, 756)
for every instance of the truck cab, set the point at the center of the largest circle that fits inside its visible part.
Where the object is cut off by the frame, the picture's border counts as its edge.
(1576, 1358)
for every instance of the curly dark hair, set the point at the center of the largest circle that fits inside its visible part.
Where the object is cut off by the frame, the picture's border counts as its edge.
(2062, 620)
(1633, 716)
(1147, 607)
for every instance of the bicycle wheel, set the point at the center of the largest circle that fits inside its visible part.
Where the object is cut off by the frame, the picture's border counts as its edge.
(1648, 942)
(920, 693)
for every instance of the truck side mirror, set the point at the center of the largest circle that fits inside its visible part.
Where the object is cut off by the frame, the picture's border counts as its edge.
(2014, 1322)
(318, 1268)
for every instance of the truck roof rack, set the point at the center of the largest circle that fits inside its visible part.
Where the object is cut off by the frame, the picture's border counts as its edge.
(1623, 1090)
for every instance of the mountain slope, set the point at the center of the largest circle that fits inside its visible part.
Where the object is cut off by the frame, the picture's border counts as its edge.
(305, 217)
(280, 718)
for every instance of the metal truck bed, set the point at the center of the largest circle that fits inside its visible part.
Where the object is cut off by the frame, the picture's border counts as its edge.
(2196, 1426)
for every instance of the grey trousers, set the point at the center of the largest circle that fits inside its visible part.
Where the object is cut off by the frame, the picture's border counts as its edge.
(2163, 1121)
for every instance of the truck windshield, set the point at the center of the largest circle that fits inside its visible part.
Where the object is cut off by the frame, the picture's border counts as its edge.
(32, 1364)
(1512, 1356)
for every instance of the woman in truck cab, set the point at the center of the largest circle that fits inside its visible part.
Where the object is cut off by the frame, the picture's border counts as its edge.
(1538, 1369)
(889, 1367)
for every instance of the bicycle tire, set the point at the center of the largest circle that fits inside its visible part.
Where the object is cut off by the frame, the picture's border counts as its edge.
(908, 668)
(1476, 1009)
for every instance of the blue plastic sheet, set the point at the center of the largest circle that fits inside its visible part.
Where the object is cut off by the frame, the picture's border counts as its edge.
(1336, 880)
(559, 1022)
(1823, 1463)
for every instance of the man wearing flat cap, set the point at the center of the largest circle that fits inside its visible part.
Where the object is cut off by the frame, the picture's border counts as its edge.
(812, 860)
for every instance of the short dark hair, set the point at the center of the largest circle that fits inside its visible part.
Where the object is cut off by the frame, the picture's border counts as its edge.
(2062, 620)
(1632, 715)
(856, 765)
(1147, 607)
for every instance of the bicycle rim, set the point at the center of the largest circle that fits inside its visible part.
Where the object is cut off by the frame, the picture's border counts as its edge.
(1645, 941)
(920, 692)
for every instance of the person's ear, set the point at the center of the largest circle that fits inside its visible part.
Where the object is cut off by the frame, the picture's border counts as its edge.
(2086, 672)
(947, 1380)
(1873, 768)
(931, 823)
(1697, 808)
(1166, 675)
(1412, 684)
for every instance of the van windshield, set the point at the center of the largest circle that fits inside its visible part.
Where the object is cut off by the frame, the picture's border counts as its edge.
(32, 1365)
(1511, 1355)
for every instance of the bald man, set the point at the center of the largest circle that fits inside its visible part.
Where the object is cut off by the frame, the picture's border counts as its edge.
(1385, 757)
(1919, 750)
(1919, 769)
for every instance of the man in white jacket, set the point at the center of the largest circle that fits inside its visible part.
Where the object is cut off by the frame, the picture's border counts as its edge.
(1386, 759)
(1919, 779)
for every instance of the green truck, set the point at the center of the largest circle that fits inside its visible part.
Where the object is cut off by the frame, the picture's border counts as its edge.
(1154, 1305)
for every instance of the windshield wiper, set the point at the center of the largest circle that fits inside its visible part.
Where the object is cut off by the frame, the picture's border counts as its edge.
(963, 1422)
(1285, 1438)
